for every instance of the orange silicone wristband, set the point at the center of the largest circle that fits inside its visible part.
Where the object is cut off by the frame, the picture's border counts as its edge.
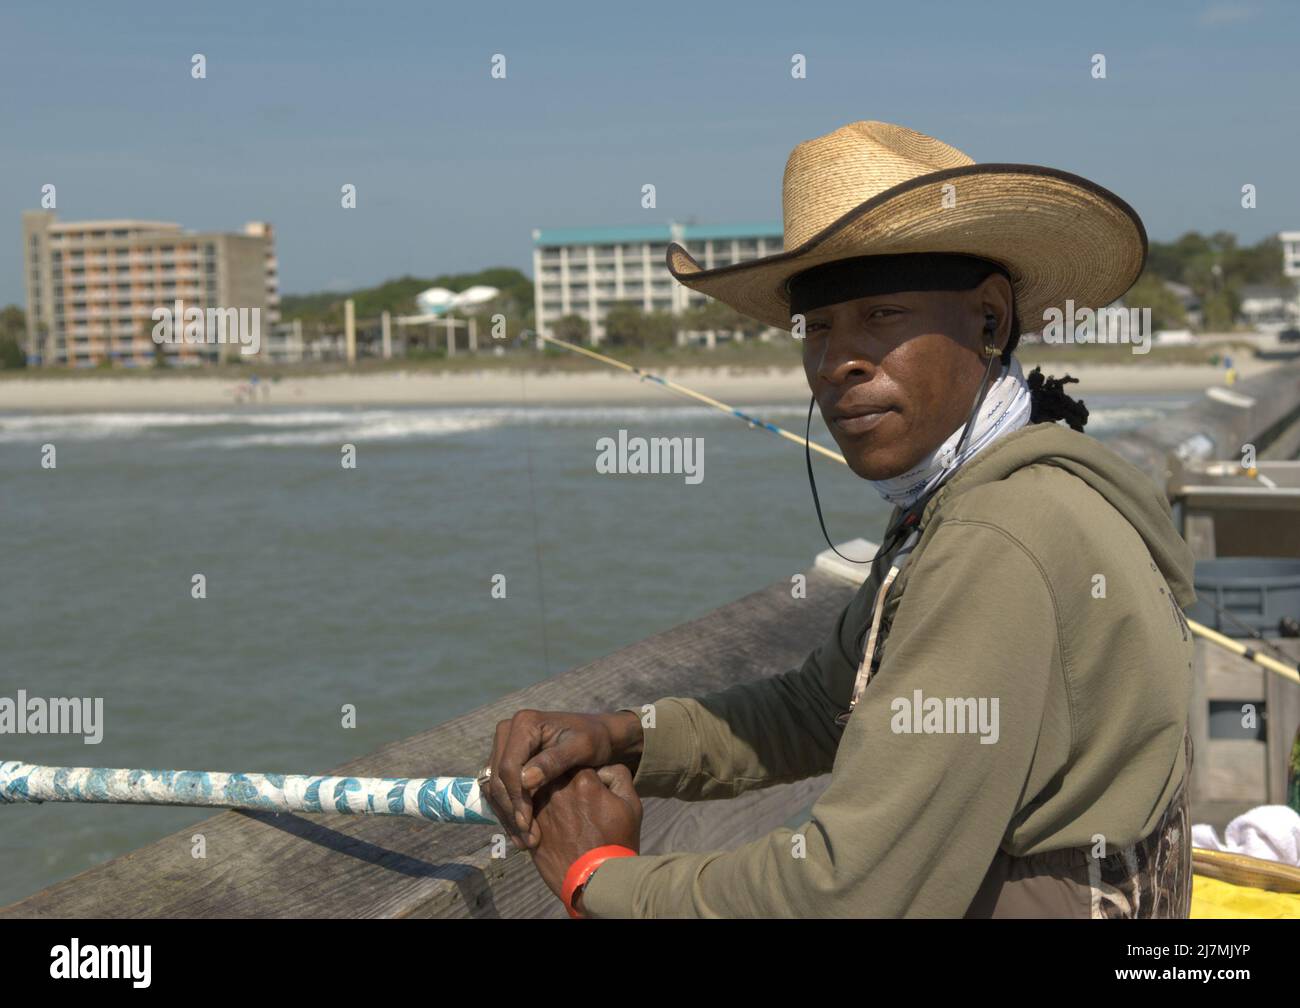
(581, 870)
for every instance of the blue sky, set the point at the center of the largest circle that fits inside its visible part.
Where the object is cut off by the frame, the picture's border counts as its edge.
(454, 169)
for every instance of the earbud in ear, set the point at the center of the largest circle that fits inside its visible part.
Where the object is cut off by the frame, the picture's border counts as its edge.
(990, 335)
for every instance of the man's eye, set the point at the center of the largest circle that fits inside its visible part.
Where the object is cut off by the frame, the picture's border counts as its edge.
(884, 311)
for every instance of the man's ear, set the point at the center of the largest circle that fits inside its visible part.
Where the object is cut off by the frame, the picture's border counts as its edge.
(995, 298)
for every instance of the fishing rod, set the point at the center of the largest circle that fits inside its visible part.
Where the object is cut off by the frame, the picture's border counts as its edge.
(435, 799)
(1272, 664)
(1250, 631)
(1249, 653)
(698, 396)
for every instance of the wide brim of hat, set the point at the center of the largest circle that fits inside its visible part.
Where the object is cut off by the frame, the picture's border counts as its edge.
(1061, 237)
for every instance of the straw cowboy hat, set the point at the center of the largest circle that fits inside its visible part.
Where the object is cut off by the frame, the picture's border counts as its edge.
(873, 188)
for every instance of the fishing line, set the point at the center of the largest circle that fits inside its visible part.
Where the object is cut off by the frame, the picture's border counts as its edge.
(537, 541)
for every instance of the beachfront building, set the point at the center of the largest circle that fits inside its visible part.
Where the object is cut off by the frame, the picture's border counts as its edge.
(585, 271)
(1268, 306)
(92, 286)
(1290, 253)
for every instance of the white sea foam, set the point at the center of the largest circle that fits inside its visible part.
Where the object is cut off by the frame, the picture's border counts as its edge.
(1104, 421)
(101, 425)
(371, 428)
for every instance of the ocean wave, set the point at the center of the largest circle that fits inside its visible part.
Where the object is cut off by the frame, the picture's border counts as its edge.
(400, 428)
(1122, 418)
(435, 421)
(287, 427)
(102, 425)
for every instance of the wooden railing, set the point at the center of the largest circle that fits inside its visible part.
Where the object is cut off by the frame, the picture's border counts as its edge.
(1263, 410)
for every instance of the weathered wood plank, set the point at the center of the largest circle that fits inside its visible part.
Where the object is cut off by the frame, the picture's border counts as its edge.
(263, 865)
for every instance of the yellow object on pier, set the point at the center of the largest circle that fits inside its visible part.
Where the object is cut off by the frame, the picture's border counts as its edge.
(1237, 886)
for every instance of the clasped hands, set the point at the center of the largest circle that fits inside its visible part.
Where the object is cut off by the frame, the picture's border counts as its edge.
(561, 785)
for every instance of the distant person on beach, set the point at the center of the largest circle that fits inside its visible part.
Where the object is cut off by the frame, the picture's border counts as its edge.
(1003, 706)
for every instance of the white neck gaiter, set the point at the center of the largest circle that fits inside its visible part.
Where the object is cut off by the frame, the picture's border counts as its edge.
(1005, 409)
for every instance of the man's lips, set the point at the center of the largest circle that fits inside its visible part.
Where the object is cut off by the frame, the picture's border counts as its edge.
(859, 419)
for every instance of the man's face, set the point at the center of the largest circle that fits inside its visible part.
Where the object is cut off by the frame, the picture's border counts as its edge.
(895, 374)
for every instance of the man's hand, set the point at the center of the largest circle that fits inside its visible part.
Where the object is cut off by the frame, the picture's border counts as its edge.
(585, 809)
(535, 748)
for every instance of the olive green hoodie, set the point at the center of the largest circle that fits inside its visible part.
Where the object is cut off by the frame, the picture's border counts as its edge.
(1042, 601)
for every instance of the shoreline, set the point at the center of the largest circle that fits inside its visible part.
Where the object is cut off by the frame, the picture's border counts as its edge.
(519, 388)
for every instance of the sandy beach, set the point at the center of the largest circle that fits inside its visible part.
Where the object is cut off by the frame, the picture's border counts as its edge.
(731, 385)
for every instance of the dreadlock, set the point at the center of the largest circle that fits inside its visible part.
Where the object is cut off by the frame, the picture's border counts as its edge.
(1049, 402)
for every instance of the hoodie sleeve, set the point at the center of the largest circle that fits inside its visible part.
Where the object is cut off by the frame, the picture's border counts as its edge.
(912, 818)
(754, 734)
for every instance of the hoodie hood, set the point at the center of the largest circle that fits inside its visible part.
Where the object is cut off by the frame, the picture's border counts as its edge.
(1129, 490)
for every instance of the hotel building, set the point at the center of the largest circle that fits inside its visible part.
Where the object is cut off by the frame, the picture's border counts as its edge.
(584, 271)
(92, 286)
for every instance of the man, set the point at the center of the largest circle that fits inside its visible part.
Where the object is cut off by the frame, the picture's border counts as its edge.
(1003, 705)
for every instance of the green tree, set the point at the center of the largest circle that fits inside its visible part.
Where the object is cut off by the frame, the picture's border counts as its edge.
(11, 354)
(13, 334)
(1260, 263)
(1216, 268)
(1150, 292)
(571, 329)
(1218, 311)
(627, 325)
(718, 316)
(624, 324)
(660, 330)
(159, 349)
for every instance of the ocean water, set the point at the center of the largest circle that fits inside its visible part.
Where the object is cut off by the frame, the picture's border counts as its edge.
(370, 586)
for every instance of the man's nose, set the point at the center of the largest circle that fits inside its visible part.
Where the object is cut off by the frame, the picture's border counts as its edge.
(843, 359)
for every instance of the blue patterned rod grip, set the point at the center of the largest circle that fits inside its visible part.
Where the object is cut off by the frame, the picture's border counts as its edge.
(437, 799)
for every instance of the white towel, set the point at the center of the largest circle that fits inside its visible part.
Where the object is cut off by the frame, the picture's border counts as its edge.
(1271, 832)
